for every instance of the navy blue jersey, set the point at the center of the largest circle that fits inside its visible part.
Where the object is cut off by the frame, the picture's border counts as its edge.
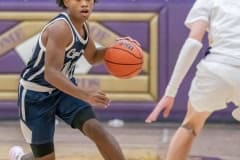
(34, 72)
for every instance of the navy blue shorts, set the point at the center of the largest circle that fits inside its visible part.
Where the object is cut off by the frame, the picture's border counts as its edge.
(38, 111)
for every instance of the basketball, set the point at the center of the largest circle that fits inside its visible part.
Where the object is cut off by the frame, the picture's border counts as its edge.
(124, 59)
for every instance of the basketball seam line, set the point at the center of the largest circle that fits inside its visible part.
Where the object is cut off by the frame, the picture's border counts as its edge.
(130, 72)
(121, 63)
(127, 51)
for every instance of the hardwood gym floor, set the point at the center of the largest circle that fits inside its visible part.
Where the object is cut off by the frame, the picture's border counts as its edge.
(138, 140)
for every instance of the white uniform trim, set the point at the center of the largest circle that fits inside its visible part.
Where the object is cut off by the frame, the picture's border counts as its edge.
(26, 72)
(27, 133)
(35, 87)
(36, 74)
(85, 27)
(39, 58)
(40, 37)
(23, 104)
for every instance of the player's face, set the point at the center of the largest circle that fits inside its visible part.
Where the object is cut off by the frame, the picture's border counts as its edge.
(80, 9)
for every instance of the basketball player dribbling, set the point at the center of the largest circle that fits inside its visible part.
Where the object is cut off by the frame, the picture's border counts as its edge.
(218, 75)
(47, 86)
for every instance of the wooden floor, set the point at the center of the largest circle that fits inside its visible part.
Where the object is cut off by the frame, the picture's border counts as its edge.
(138, 140)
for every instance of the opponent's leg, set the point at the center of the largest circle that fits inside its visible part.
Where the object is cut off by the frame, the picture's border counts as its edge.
(183, 138)
(106, 143)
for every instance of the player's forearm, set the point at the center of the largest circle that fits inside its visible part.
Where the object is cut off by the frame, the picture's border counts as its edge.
(186, 57)
(99, 56)
(58, 80)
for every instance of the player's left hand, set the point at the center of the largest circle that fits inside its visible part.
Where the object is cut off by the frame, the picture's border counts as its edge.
(165, 105)
(98, 99)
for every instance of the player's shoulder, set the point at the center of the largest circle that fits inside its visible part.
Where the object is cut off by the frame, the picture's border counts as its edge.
(203, 4)
(59, 27)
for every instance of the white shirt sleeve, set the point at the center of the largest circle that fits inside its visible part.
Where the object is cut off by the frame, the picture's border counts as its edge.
(199, 11)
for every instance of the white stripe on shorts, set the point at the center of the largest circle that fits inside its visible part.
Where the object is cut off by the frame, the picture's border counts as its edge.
(27, 133)
(23, 104)
(35, 87)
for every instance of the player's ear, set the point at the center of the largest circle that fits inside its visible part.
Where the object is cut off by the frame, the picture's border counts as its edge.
(66, 2)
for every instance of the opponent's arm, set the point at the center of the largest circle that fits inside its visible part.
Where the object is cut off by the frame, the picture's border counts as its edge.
(187, 56)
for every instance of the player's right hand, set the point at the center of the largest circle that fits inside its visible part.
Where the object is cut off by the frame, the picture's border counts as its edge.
(98, 99)
(164, 105)
(129, 39)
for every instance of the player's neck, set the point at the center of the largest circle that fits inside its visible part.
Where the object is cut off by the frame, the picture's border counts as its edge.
(78, 24)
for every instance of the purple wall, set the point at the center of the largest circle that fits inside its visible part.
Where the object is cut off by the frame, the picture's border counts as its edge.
(172, 34)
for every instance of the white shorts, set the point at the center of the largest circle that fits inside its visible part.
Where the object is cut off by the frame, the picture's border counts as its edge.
(214, 85)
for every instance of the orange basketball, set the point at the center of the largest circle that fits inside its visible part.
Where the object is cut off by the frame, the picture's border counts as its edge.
(124, 59)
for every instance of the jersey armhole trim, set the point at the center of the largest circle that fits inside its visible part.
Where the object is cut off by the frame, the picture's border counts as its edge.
(40, 36)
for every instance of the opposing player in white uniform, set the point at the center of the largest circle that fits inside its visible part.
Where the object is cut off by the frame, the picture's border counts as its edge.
(217, 80)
